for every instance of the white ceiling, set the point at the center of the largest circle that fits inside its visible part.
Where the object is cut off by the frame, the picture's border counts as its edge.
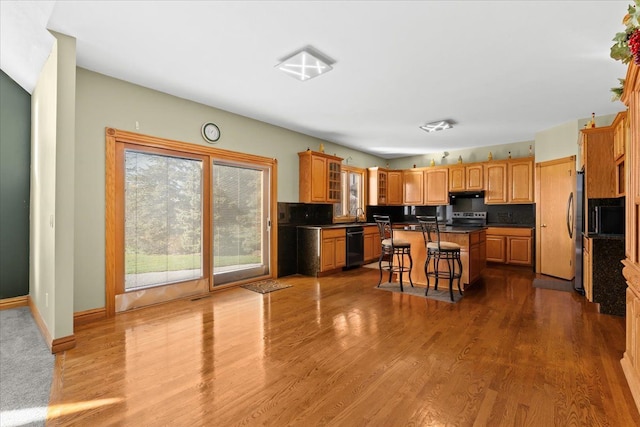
(501, 70)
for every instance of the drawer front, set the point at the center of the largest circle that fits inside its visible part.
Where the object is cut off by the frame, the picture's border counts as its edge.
(508, 231)
(334, 232)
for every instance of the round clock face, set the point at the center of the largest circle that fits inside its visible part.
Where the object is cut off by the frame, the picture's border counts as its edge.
(210, 132)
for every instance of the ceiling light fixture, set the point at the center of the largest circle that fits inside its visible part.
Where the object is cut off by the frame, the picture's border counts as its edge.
(436, 126)
(305, 64)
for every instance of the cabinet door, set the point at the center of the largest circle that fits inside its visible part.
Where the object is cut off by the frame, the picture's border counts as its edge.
(382, 187)
(586, 269)
(368, 247)
(496, 182)
(413, 187)
(496, 249)
(318, 179)
(520, 182)
(328, 254)
(334, 181)
(474, 177)
(341, 251)
(519, 251)
(437, 186)
(394, 187)
(457, 178)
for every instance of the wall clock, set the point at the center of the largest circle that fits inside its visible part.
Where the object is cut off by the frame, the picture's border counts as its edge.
(210, 132)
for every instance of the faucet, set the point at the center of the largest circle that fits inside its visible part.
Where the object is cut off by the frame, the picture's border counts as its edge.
(361, 211)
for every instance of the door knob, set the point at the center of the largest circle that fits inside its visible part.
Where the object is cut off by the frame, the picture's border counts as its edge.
(543, 225)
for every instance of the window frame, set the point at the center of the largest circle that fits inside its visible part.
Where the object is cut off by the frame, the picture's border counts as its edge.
(347, 170)
(115, 141)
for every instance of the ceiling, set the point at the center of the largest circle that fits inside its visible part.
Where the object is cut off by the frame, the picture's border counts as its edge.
(501, 70)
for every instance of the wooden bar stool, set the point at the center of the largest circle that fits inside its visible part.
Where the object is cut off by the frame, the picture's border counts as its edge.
(438, 250)
(392, 246)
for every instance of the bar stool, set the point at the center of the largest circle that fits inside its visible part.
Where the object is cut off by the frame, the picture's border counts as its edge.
(392, 246)
(439, 251)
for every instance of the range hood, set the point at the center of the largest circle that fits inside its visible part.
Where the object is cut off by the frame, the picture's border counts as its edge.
(466, 195)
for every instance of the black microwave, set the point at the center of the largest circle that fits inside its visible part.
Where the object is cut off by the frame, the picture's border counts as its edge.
(608, 220)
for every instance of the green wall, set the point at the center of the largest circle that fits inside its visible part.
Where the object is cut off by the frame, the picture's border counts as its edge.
(15, 152)
(102, 101)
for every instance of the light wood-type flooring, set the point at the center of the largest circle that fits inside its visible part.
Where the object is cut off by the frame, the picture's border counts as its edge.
(335, 351)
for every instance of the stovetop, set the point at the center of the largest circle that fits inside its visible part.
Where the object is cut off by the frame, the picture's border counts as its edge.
(468, 219)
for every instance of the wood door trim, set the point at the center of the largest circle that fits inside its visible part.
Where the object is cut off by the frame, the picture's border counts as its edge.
(114, 169)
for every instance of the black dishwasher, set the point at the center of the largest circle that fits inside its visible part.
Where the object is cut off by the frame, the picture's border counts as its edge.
(355, 246)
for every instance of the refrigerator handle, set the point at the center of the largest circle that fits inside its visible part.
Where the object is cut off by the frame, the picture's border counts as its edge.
(569, 215)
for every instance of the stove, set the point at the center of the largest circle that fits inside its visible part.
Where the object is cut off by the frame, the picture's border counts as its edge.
(468, 219)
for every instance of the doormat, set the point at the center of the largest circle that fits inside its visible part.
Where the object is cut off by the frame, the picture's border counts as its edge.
(265, 286)
(554, 284)
(418, 291)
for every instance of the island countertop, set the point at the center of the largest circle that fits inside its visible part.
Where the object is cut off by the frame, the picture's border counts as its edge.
(443, 229)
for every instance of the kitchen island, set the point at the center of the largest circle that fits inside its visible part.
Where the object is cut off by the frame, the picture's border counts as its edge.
(473, 252)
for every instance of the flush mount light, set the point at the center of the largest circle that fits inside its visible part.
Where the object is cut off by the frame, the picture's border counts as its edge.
(305, 64)
(436, 126)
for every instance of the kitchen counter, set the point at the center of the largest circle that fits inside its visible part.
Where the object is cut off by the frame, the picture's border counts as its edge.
(446, 229)
(473, 253)
(339, 225)
(505, 225)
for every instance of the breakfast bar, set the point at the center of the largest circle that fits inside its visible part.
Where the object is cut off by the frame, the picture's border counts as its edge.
(473, 252)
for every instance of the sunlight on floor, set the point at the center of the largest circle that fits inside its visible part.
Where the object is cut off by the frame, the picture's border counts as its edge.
(69, 408)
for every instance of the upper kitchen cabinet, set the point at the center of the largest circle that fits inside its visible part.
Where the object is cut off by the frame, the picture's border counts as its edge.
(466, 178)
(413, 186)
(495, 173)
(620, 130)
(520, 180)
(621, 136)
(319, 177)
(394, 187)
(436, 186)
(509, 181)
(596, 152)
(378, 186)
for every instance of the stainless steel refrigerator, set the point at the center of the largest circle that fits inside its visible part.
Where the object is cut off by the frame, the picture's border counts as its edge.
(579, 231)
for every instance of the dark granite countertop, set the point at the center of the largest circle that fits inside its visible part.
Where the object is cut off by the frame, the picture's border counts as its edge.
(512, 225)
(604, 236)
(447, 229)
(339, 225)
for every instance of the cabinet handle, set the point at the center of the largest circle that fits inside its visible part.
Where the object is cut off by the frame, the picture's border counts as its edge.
(569, 215)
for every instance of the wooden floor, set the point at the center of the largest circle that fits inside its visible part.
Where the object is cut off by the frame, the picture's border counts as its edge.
(336, 351)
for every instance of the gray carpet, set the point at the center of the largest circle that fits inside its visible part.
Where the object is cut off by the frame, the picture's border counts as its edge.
(555, 284)
(26, 370)
(442, 294)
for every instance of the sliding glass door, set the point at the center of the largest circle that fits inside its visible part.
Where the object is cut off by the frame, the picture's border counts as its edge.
(163, 205)
(241, 222)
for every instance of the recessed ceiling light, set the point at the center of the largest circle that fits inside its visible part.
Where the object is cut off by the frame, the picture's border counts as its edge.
(436, 126)
(305, 64)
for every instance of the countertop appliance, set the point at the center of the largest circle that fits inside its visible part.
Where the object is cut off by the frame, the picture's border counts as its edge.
(609, 220)
(468, 219)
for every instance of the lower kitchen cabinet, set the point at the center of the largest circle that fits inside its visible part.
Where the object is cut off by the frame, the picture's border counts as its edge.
(320, 250)
(587, 269)
(333, 250)
(510, 245)
(372, 247)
